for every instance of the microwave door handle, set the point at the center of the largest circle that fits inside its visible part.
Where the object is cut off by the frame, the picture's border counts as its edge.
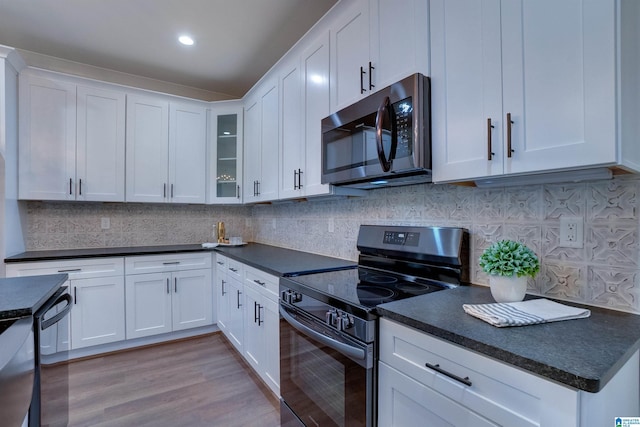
(345, 349)
(384, 109)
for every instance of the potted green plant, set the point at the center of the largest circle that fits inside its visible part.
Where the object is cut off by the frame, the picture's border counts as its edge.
(509, 264)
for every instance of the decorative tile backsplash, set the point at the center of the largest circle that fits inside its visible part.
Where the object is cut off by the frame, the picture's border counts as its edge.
(605, 272)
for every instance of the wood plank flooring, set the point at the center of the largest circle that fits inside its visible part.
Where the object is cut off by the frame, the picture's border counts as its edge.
(201, 381)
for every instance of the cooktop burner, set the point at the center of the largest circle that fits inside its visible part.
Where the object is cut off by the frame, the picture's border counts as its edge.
(365, 288)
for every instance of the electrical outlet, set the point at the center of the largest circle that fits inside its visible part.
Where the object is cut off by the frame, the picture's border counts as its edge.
(105, 223)
(331, 225)
(571, 232)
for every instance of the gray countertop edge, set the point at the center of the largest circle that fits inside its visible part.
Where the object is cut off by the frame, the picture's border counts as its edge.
(47, 285)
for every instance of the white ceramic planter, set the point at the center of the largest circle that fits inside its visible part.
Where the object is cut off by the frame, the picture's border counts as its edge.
(508, 288)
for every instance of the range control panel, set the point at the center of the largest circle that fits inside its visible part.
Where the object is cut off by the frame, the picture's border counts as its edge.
(402, 238)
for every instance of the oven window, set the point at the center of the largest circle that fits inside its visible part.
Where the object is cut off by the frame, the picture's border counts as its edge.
(319, 384)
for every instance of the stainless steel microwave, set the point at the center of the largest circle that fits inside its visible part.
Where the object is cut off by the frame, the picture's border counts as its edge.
(382, 140)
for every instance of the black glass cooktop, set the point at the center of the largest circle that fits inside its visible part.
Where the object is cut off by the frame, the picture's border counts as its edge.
(366, 288)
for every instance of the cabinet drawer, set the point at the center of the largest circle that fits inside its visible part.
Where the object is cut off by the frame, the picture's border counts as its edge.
(267, 283)
(167, 263)
(235, 269)
(220, 262)
(85, 268)
(500, 392)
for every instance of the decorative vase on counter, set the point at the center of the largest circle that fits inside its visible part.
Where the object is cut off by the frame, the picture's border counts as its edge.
(508, 288)
(508, 264)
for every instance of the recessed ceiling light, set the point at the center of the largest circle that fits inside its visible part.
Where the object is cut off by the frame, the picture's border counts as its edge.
(186, 40)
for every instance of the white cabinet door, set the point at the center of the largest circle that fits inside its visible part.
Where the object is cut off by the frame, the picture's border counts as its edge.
(225, 153)
(148, 304)
(399, 40)
(271, 324)
(551, 73)
(254, 337)
(559, 74)
(315, 68)
(252, 153)
(187, 153)
(47, 143)
(292, 147)
(466, 89)
(268, 185)
(223, 298)
(100, 155)
(192, 299)
(147, 149)
(350, 61)
(261, 143)
(235, 324)
(99, 311)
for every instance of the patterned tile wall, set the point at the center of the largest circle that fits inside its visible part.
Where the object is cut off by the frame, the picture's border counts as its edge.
(68, 225)
(605, 272)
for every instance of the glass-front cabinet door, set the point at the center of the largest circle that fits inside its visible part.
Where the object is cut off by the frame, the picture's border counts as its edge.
(225, 153)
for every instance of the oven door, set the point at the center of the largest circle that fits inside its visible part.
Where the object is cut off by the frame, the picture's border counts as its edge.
(326, 377)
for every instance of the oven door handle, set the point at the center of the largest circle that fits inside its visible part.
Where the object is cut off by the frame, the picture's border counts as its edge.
(354, 353)
(55, 319)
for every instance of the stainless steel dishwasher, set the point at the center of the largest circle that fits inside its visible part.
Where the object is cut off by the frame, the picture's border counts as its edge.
(17, 364)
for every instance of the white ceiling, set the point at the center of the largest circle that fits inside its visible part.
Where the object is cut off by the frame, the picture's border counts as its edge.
(237, 41)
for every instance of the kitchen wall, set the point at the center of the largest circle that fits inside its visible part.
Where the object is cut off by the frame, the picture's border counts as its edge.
(605, 272)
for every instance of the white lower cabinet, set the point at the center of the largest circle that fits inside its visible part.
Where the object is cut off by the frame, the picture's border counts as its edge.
(248, 316)
(176, 297)
(464, 388)
(230, 296)
(97, 287)
(262, 335)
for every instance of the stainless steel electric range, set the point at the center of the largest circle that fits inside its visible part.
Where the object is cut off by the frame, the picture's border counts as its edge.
(328, 329)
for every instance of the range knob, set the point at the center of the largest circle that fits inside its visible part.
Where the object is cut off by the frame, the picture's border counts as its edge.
(346, 322)
(331, 317)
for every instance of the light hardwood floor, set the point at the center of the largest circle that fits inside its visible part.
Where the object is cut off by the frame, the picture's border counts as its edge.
(201, 381)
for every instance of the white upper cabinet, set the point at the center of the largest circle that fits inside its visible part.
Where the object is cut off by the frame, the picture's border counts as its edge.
(100, 149)
(292, 144)
(261, 143)
(166, 151)
(375, 43)
(71, 140)
(224, 182)
(187, 152)
(520, 87)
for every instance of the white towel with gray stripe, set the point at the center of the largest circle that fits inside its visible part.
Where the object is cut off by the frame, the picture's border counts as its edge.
(522, 313)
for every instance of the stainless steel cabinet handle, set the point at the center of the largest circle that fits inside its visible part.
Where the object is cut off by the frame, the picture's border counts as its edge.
(490, 152)
(295, 179)
(168, 291)
(75, 295)
(362, 73)
(222, 282)
(239, 293)
(260, 320)
(175, 285)
(172, 191)
(371, 68)
(219, 263)
(258, 187)
(171, 263)
(233, 269)
(255, 312)
(70, 186)
(237, 191)
(80, 187)
(69, 270)
(164, 190)
(259, 282)
(299, 179)
(509, 123)
(437, 368)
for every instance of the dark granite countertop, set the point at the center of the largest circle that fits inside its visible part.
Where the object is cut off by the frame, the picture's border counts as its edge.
(584, 353)
(283, 262)
(23, 296)
(31, 256)
(271, 259)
